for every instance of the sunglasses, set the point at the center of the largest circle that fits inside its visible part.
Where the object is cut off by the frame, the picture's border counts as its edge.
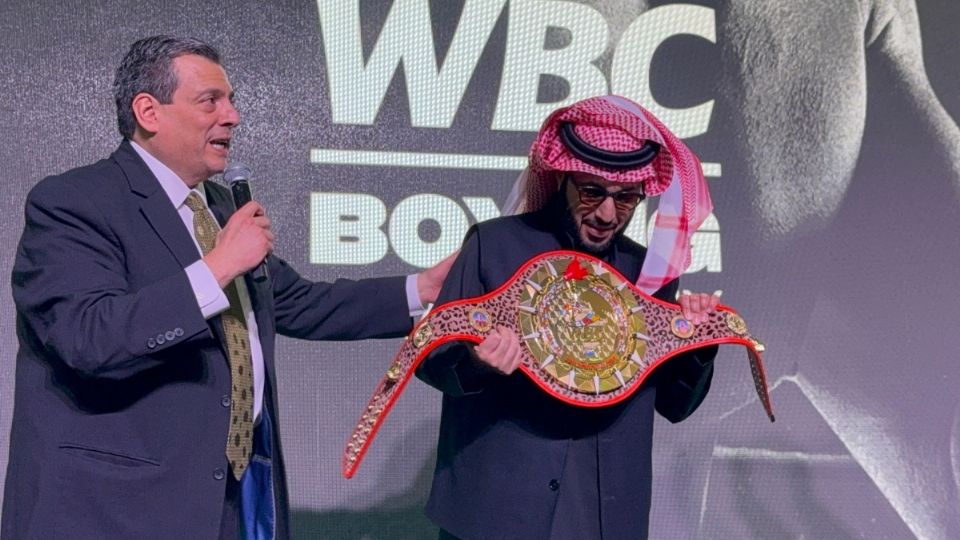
(592, 195)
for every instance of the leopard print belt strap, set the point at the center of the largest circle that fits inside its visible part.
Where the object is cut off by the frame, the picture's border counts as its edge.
(590, 337)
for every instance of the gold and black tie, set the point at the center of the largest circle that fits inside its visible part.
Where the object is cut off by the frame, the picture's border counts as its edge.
(240, 436)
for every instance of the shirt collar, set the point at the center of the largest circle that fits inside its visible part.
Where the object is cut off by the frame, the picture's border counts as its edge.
(176, 190)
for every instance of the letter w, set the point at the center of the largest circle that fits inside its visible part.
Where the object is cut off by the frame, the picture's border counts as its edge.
(357, 90)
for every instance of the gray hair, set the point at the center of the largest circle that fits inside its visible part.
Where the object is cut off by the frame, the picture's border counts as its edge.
(148, 67)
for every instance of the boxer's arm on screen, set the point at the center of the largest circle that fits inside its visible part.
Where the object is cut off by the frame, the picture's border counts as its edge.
(894, 42)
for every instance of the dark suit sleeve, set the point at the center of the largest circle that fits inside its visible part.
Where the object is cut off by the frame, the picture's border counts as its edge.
(683, 382)
(342, 310)
(70, 289)
(452, 368)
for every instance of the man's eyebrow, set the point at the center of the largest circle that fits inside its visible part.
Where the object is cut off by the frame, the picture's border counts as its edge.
(217, 92)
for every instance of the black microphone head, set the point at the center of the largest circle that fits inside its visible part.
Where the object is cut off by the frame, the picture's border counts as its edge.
(236, 172)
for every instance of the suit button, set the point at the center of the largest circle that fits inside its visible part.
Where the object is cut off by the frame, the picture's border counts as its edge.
(160, 339)
(151, 343)
(218, 474)
(169, 335)
(178, 331)
(554, 485)
(225, 401)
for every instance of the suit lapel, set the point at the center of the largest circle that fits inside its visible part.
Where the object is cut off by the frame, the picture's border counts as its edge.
(162, 217)
(156, 207)
(220, 202)
(166, 222)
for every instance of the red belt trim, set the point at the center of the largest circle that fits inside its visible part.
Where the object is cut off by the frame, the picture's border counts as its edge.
(418, 345)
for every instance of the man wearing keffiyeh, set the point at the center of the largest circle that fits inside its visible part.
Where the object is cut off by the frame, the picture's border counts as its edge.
(512, 461)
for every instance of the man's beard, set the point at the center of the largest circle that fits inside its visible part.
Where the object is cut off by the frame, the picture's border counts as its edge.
(579, 238)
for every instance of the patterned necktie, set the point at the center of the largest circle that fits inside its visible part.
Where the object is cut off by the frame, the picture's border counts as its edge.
(239, 438)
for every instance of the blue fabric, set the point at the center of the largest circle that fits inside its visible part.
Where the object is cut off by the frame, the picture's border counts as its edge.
(257, 510)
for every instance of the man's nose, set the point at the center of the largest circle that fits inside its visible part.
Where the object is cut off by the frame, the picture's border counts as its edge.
(607, 210)
(231, 116)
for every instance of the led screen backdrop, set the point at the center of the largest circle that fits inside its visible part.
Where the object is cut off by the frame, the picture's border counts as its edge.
(379, 131)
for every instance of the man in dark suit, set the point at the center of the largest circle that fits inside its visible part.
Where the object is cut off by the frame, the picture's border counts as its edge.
(514, 462)
(146, 401)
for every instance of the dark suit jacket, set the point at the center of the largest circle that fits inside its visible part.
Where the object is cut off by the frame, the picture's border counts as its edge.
(122, 388)
(507, 450)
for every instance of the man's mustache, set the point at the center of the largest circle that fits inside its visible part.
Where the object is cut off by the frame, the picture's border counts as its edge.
(600, 226)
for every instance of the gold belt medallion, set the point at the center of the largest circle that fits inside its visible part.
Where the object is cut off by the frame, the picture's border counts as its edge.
(583, 329)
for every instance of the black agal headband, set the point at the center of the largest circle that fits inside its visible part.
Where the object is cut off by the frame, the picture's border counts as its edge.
(599, 157)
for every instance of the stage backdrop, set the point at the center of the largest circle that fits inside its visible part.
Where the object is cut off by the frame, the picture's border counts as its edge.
(378, 131)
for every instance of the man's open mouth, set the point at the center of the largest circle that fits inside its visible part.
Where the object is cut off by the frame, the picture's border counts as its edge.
(223, 144)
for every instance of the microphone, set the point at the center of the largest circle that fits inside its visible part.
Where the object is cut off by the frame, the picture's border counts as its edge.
(237, 176)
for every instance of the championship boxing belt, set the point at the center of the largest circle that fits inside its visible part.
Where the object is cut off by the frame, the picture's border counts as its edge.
(590, 337)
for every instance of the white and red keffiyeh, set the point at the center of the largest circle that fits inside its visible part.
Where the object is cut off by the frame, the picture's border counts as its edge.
(616, 124)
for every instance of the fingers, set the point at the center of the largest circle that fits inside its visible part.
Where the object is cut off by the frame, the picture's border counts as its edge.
(515, 351)
(488, 345)
(262, 221)
(697, 307)
(252, 212)
(501, 350)
(253, 215)
(249, 215)
(685, 304)
(242, 243)
(714, 300)
(251, 209)
(258, 219)
(268, 237)
(508, 350)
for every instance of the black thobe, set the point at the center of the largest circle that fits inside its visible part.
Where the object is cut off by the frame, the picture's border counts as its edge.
(514, 462)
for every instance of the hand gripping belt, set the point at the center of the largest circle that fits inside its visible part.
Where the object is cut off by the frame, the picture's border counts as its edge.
(590, 337)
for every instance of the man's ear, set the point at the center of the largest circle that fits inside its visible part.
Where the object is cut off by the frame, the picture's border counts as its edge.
(146, 109)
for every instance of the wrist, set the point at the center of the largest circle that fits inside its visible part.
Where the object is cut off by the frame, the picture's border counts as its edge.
(219, 269)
